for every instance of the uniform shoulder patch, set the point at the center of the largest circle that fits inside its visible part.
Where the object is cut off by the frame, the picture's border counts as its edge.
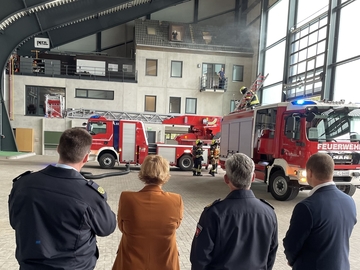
(213, 203)
(98, 188)
(198, 230)
(266, 202)
(21, 175)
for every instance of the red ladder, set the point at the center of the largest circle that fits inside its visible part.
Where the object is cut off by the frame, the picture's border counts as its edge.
(256, 85)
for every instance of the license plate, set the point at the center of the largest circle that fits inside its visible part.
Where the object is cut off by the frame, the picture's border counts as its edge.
(341, 173)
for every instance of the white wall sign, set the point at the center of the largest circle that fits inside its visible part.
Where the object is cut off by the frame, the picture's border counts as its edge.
(113, 67)
(42, 43)
(90, 67)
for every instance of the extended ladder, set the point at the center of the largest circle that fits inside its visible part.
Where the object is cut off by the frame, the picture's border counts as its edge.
(117, 115)
(256, 85)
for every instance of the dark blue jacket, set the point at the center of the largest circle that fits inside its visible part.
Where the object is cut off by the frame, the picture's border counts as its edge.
(239, 232)
(56, 214)
(320, 228)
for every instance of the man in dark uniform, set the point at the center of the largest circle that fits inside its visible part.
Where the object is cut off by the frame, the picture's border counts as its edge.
(56, 213)
(239, 232)
(198, 157)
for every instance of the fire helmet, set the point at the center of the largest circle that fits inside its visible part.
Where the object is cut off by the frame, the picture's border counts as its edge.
(243, 90)
(198, 142)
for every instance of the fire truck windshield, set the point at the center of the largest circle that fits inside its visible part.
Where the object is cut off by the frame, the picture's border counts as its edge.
(96, 127)
(335, 124)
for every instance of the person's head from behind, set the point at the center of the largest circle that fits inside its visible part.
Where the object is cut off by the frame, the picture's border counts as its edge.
(74, 146)
(154, 170)
(239, 171)
(319, 167)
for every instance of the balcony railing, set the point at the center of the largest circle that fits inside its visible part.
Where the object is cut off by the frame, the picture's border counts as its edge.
(213, 83)
(54, 68)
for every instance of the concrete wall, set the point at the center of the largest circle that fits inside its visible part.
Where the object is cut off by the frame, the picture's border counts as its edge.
(164, 86)
(130, 97)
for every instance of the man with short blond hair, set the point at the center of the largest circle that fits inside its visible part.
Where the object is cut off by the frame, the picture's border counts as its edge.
(321, 225)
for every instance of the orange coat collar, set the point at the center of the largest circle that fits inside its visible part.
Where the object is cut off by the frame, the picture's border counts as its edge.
(151, 188)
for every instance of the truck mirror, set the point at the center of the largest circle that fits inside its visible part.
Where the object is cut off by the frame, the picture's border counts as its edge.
(290, 127)
(310, 117)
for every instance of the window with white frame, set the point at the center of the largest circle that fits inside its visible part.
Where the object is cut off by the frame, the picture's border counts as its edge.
(150, 103)
(238, 73)
(94, 94)
(174, 105)
(151, 67)
(176, 69)
(190, 105)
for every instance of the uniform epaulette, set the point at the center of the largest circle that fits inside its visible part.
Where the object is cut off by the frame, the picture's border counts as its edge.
(96, 187)
(213, 203)
(21, 175)
(266, 202)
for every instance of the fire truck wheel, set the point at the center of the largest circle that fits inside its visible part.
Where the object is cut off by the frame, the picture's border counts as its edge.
(347, 189)
(107, 161)
(280, 187)
(186, 163)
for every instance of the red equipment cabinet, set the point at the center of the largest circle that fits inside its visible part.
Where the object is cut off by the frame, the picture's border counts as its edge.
(281, 137)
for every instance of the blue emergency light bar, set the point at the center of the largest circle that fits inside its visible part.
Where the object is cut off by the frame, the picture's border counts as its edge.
(303, 102)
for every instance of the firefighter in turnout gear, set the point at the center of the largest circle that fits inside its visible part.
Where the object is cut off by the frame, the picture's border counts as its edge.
(198, 157)
(250, 97)
(214, 157)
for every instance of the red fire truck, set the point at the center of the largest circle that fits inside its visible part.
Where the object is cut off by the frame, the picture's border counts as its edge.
(125, 141)
(281, 137)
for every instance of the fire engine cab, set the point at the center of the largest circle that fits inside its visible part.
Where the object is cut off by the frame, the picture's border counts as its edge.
(125, 141)
(281, 137)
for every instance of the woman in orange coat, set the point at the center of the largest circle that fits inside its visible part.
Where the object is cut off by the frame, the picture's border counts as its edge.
(148, 220)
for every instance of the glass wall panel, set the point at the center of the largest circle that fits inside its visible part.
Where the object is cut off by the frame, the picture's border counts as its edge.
(277, 22)
(344, 84)
(274, 64)
(310, 9)
(349, 21)
(271, 95)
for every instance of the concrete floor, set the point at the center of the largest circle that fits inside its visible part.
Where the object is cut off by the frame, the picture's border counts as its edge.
(197, 192)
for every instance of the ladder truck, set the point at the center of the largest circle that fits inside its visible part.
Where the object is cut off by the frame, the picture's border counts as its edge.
(125, 141)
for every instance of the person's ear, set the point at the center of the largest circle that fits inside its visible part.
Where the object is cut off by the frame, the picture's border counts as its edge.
(253, 177)
(226, 179)
(86, 158)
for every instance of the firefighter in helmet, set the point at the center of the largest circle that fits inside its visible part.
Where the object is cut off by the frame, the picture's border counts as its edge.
(198, 157)
(214, 156)
(250, 96)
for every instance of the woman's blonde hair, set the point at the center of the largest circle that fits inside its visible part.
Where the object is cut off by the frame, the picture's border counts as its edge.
(154, 170)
